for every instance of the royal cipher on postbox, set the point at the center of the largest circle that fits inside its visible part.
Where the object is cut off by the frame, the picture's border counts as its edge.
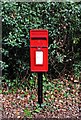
(39, 50)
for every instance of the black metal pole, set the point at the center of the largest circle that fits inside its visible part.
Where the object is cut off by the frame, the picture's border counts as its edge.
(40, 96)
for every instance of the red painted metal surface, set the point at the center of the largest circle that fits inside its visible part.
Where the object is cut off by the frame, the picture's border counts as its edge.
(39, 50)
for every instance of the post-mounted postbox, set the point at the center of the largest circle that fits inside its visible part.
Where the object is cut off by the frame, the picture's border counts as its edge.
(39, 50)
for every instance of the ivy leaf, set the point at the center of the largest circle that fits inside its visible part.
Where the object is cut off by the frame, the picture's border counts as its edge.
(27, 113)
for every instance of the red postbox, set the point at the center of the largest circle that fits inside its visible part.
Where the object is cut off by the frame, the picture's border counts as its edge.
(39, 50)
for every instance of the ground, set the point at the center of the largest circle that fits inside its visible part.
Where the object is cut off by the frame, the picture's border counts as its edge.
(61, 99)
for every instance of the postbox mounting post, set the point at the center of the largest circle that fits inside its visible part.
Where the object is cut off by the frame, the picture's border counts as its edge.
(40, 90)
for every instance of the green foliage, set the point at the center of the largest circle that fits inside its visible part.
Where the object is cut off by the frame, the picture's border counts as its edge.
(0, 91)
(66, 94)
(38, 108)
(77, 70)
(63, 21)
(27, 113)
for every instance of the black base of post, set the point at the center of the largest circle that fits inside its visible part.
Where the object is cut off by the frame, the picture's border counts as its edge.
(40, 97)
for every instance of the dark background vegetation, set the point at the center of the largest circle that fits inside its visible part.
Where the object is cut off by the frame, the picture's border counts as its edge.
(62, 20)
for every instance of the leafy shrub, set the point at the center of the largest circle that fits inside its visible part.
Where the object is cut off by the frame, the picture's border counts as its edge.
(63, 21)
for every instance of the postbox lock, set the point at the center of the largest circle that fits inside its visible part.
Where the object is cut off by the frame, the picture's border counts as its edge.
(39, 48)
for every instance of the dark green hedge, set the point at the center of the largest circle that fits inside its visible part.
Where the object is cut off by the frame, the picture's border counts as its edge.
(63, 21)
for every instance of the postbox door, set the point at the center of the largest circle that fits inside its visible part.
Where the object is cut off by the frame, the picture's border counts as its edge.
(39, 60)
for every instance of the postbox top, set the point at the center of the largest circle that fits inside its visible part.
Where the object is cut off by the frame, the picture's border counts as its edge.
(39, 37)
(38, 32)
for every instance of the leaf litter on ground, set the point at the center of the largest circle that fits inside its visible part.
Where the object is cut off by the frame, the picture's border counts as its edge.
(60, 100)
